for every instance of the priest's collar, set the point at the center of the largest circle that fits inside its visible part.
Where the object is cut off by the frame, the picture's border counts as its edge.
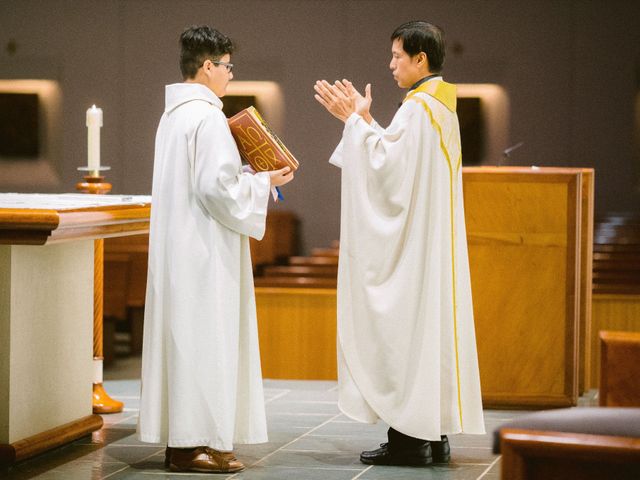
(425, 79)
(442, 91)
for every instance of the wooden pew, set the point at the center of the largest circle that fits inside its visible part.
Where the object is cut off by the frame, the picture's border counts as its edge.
(300, 271)
(544, 455)
(616, 280)
(125, 273)
(293, 282)
(570, 443)
(297, 329)
(296, 306)
(620, 369)
(616, 258)
(320, 270)
(325, 252)
(317, 260)
(280, 239)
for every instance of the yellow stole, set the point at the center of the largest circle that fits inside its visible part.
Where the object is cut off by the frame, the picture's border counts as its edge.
(445, 93)
(442, 91)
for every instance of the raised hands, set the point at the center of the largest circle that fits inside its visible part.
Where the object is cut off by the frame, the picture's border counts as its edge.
(342, 99)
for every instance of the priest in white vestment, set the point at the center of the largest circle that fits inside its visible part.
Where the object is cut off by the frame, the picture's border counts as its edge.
(201, 377)
(406, 339)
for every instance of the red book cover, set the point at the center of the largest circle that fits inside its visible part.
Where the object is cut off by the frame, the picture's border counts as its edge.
(257, 144)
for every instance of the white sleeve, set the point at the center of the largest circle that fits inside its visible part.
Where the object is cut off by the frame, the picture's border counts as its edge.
(377, 127)
(336, 156)
(382, 157)
(235, 199)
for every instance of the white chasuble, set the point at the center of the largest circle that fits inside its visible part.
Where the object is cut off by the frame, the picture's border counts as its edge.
(406, 338)
(201, 376)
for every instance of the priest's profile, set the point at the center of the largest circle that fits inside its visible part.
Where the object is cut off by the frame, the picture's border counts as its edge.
(406, 338)
(201, 376)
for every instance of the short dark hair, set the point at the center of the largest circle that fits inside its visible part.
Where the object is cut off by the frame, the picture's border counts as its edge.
(422, 37)
(199, 43)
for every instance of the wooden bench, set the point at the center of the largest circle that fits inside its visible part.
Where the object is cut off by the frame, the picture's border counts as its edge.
(324, 252)
(330, 271)
(616, 281)
(616, 254)
(297, 332)
(620, 369)
(320, 270)
(125, 284)
(585, 443)
(545, 455)
(317, 260)
(295, 281)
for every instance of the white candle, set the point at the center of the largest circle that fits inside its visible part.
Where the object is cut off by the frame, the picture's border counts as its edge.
(94, 122)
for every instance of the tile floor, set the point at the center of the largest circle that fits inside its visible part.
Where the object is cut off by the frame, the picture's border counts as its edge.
(308, 439)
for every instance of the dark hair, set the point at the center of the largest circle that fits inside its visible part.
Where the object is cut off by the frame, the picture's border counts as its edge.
(199, 43)
(422, 37)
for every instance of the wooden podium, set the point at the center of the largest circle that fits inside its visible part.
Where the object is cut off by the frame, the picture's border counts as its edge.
(530, 234)
(46, 313)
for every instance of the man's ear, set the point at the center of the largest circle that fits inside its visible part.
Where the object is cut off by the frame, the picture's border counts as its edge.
(423, 61)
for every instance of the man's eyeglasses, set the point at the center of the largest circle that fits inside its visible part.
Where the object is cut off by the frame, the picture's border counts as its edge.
(225, 64)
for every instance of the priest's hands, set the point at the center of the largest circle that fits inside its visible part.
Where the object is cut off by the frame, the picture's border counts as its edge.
(342, 99)
(280, 177)
(362, 104)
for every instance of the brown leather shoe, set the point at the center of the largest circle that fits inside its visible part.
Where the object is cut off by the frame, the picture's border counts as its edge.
(168, 450)
(202, 459)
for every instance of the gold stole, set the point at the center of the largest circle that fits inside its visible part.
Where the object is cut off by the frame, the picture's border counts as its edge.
(442, 91)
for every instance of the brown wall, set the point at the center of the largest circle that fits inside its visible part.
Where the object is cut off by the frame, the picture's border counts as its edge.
(570, 69)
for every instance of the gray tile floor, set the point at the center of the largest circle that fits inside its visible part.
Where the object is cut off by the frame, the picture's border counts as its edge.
(308, 439)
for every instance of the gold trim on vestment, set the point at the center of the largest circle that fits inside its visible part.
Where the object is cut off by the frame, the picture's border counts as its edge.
(451, 201)
(442, 91)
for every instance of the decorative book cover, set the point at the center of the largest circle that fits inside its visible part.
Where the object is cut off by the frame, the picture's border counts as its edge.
(257, 144)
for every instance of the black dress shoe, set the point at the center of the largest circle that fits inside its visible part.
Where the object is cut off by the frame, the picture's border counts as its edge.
(414, 457)
(440, 450)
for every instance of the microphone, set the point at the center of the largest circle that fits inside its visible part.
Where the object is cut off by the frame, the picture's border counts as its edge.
(507, 151)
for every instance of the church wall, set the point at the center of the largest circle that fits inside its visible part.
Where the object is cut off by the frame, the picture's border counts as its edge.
(569, 69)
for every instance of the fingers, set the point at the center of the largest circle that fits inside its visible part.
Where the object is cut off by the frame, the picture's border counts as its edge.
(342, 87)
(334, 98)
(352, 90)
(324, 95)
(281, 176)
(322, 101)
(367, 91)
(331, 92)
(325, 90)
(282, 171)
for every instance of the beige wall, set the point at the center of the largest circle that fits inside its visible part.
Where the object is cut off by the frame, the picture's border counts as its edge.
(570, 70)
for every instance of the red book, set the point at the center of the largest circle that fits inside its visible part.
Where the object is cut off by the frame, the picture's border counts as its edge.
(257, 144)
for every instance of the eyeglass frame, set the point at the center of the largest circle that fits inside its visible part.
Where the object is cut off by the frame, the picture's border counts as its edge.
(229, 66)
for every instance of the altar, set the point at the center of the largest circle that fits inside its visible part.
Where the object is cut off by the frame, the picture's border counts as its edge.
(46, 313)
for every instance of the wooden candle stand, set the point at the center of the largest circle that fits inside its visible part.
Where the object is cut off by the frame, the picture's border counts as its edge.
(93, 184)
(102, 402)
